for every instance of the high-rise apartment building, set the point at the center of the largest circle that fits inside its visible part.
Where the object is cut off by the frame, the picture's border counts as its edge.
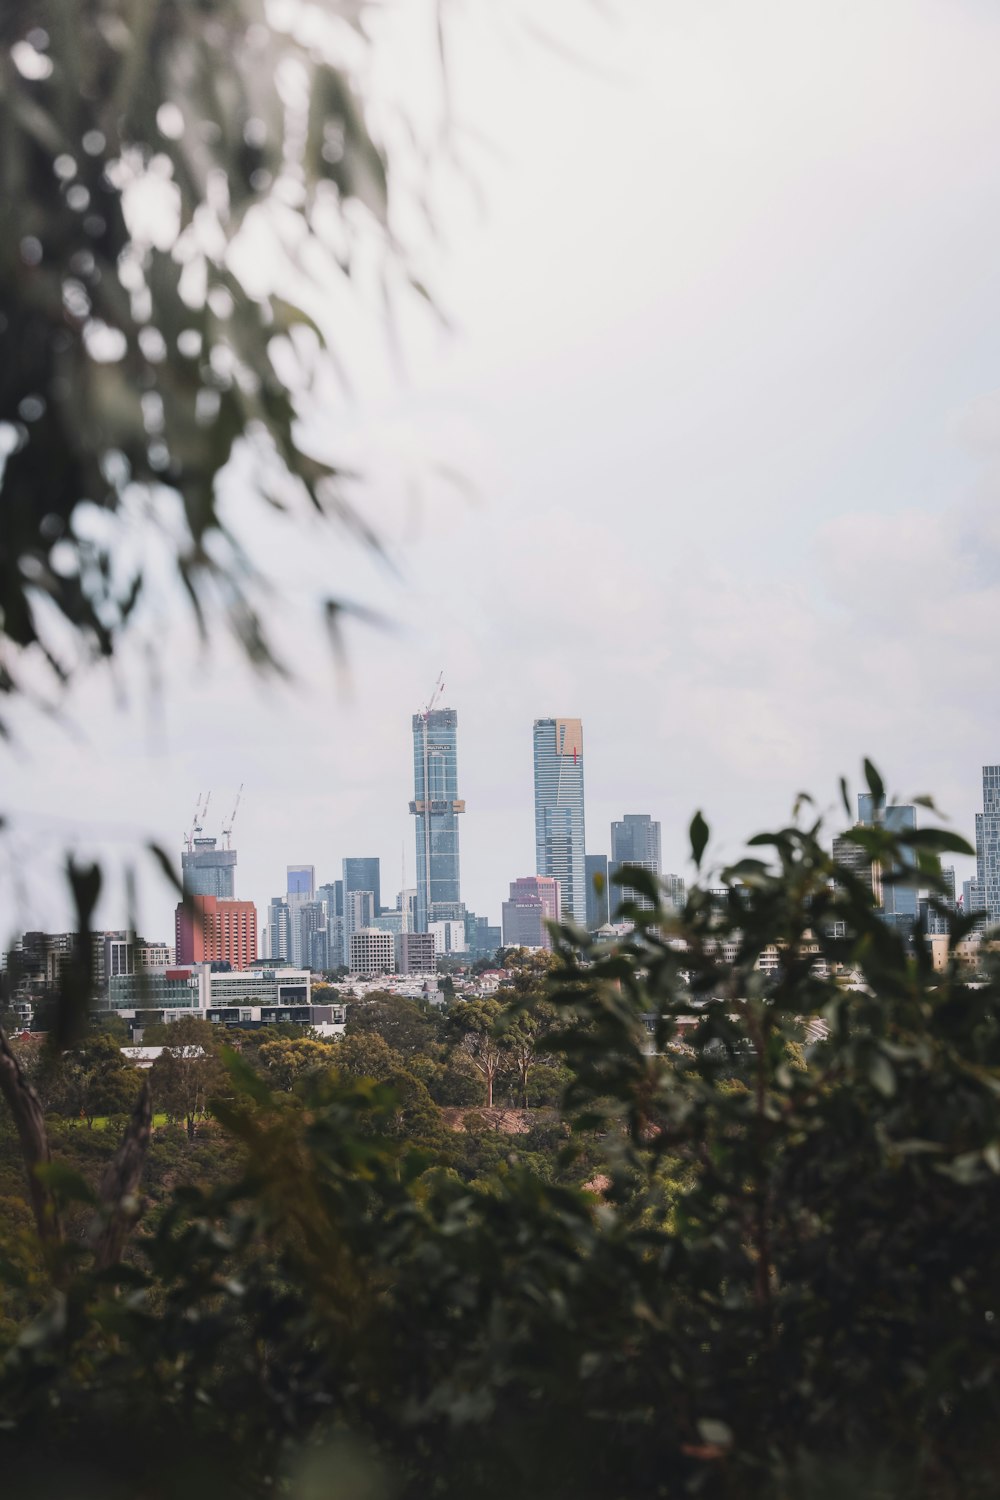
(212, 931)
(988, 846)
(359, 913)
(415, 953)
(207, 870)
(635, 840)
(436, 807)
(307, 920)
(559, 824)
(363, 875)
(331, 897)
(279, 929)
(534, 901)
(597, 900)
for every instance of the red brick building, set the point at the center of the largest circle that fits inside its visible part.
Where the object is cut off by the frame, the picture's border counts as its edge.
(213, 930)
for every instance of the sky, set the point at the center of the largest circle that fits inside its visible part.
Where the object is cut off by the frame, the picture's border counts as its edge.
(722, 384)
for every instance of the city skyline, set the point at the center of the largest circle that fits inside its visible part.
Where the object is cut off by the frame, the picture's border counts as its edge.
(313, 872)
(812, 479)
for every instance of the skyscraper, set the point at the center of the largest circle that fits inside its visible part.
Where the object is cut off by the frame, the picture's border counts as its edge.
(207, 870)
(559, 832)
(279, 929)
(300, 893)
(362, 898)
(635, 841)
(597, 901)
(331, 896)
(363, 875)
(436, 806)
(988, 846)
(302, 881)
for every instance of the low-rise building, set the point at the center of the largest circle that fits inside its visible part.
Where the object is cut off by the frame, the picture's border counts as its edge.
(202, 988)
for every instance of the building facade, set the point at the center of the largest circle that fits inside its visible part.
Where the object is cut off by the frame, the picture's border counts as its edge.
(559, 821)
(213, 931)
(436, 806)
(301, 881)
(988, 846)
(359, 912)
(534, 901)
(207, 870)
(279, 930)
(198, 988)
(635, 840)
(597, 900)
(415, 953)
(372, 952)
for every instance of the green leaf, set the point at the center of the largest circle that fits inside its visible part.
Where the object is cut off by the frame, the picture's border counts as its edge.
(699, 838)
(875, 783)
(935, 840)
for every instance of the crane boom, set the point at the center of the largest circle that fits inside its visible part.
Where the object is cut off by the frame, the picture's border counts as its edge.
(195, 825)
(227, 828)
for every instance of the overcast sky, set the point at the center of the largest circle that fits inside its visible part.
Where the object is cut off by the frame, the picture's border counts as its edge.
(725, 376)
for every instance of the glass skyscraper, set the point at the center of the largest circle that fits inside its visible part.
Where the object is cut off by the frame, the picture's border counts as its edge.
(207, 870)
(635, 841)
(362, 878)
(597, 901)
(436, 806)
(988, 847)
(559, 835)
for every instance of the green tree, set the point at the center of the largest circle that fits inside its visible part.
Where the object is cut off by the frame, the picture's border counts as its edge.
(474, 1027)
(737, 1266)
(286, 1062)
(143, 346)
(188, 1072)
(403, 1023)
(91, 1081)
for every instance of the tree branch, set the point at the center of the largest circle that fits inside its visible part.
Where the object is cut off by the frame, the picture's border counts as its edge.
(29, 1118)
(119, 1182)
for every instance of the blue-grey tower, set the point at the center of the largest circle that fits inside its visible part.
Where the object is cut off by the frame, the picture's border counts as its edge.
(988, 848)
(559, 835)
(436, 806)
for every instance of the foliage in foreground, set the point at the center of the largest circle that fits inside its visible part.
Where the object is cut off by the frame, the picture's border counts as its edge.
(784, 1284)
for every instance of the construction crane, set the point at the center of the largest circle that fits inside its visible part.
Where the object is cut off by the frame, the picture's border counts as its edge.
(227, 829)
(195, 825)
